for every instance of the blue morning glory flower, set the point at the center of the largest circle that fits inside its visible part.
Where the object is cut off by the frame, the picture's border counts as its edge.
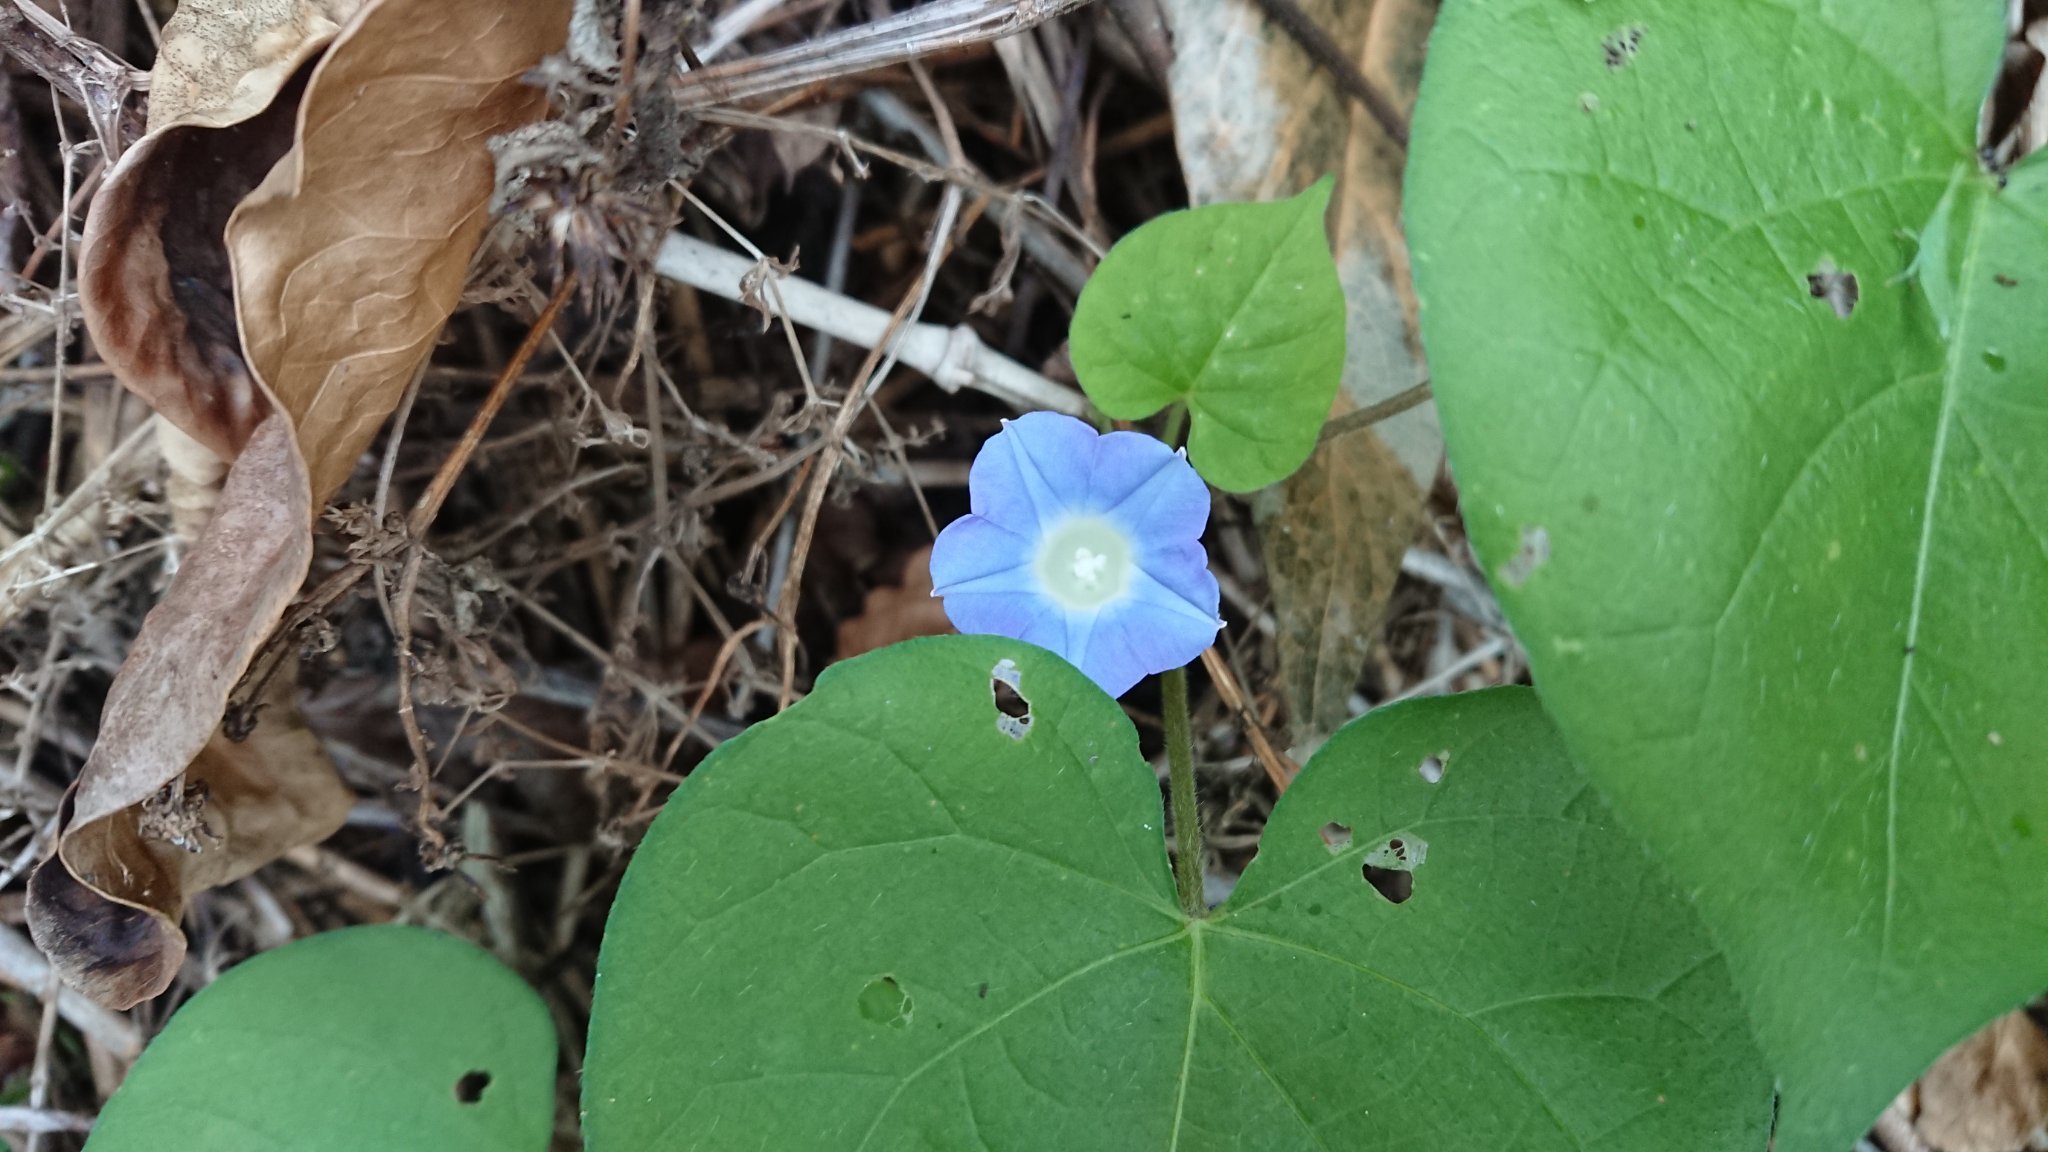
(1086, 544)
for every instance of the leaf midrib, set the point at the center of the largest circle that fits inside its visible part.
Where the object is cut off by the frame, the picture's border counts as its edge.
(1944, 421)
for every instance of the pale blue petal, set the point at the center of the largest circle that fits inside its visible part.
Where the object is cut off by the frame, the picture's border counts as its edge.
(1114, 666)
(1079, 638)
(1141, 635)
(1176, 578)
(1033, 472)
(974, 554)
(1033, 619)
(1149, 488)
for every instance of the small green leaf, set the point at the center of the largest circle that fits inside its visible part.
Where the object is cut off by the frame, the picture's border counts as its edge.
(1233, 308)
(384, 1037)
(879, 921)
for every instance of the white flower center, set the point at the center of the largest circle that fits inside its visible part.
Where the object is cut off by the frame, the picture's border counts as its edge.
(1088, 566)
(1084, 562)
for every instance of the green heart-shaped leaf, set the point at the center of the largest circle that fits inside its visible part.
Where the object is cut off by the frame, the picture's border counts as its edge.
(880, 922)
(1235, 309)
(1741, 362)
(384, 1037)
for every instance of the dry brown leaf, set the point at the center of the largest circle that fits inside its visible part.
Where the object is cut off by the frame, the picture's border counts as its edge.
(1333, 534)
(351, 255)
(108, 915)
(890, 615)
(1255, 119)
(352, 205)
(1989, 1093)
(223, 61)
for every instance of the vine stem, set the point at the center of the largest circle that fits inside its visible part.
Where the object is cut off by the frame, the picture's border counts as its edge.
(1176, 424)
(1187, 813)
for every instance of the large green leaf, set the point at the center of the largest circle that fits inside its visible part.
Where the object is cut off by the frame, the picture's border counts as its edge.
(389, 1038)
(1782, 573)
(880, 922)
(1235, 309)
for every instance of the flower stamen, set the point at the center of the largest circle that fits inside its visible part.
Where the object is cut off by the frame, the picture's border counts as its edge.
(1088, 566)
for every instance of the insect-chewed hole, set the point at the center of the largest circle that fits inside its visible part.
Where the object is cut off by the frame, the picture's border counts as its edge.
(1013, 708)
(1336, 837)
(1390, 868)
(1396, 886)
(1431, 769)
(470, 1087)
(1836, 286)
(884, 1002)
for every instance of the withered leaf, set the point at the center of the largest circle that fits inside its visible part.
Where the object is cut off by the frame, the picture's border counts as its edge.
(351, 255)
(1255, 119)
(223, 61)
(1990, 1092)
(352, 205)
(153, 271)
(1333, 534)
(108, 915)
(153, 268)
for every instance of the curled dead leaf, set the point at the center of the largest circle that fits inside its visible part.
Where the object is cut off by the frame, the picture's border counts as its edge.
(223, 61)
(351, 254)
(268, 268)
(106, 908)
(1333, 535)
(1990, 1092)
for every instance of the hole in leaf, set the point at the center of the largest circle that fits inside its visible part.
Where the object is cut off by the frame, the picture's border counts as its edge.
(470, 1088)
(1390, 868)
(1432, 767)
(1837, 287)
(2001, 126)
(1336, 837)
(1994, 360)
(884, 1002)
(1013, 708)
(1396, 886)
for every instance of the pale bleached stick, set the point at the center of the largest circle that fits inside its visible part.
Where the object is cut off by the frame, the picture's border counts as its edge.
(943, 26)
(954, 358)
(22, 965)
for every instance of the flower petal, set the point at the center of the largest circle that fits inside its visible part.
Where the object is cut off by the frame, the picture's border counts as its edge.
(975, 554)
(1138, 636)
(1032, 619)
(1033, 472)
(1112, 663)
(1149, 488)
(1176, 578)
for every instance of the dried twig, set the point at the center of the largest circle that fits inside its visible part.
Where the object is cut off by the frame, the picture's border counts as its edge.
(80, 69)
(1372, 414)
(1320, 48)
(954, 358)
(433, 845)
(23, 966)
(943, 26)
(1280, 768)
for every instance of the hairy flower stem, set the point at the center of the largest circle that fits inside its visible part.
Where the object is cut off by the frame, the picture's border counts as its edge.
(1187, 813)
